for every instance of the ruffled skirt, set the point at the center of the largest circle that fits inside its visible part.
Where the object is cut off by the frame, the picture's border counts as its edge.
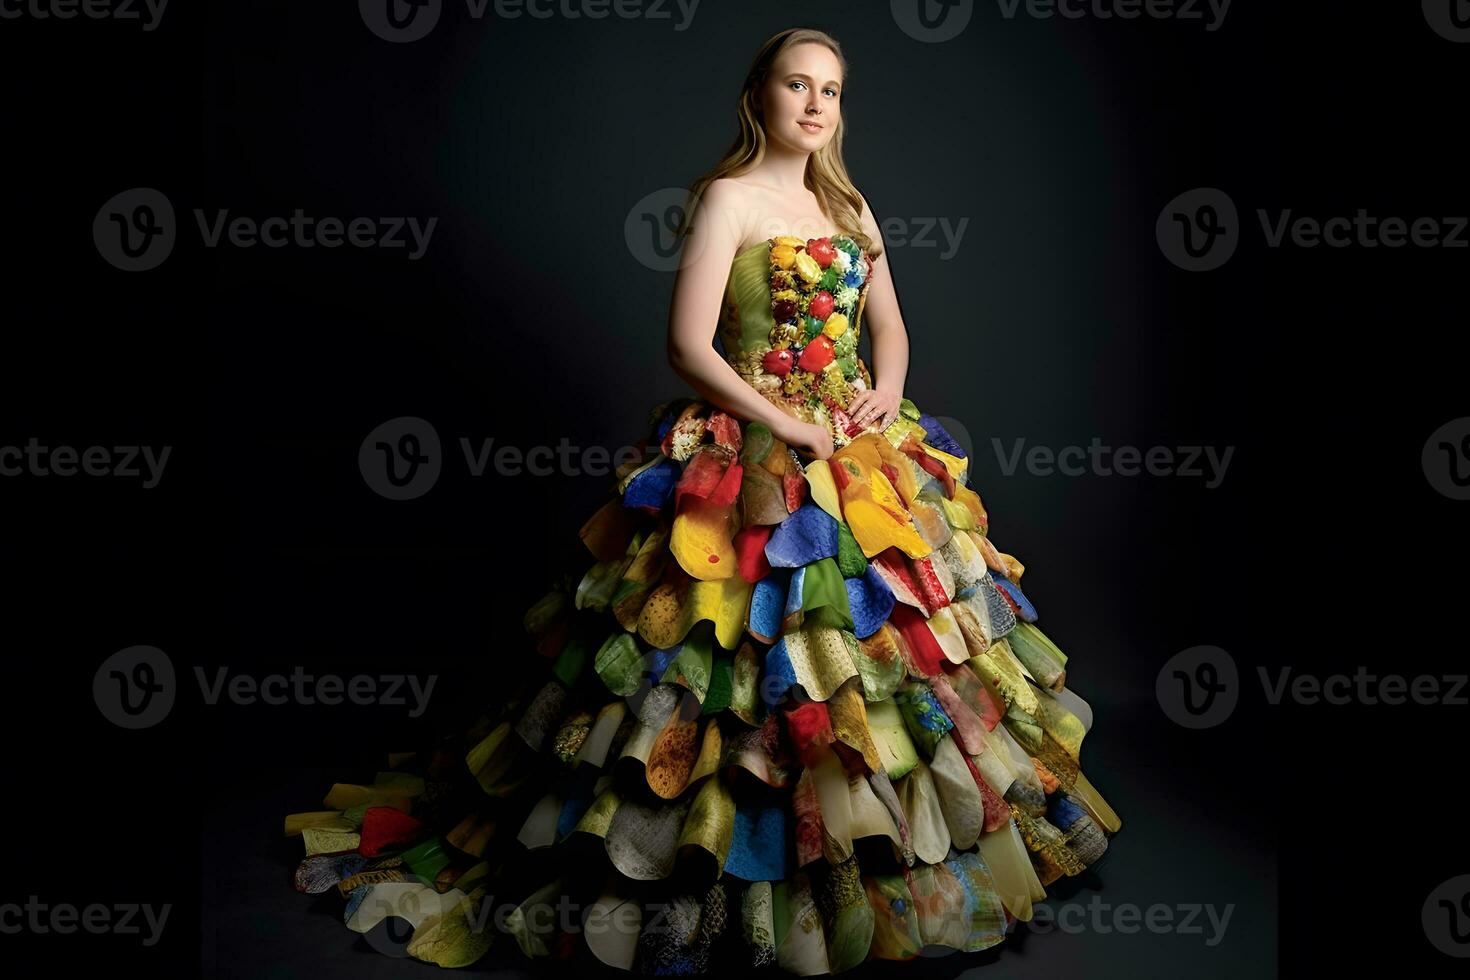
(793, 713)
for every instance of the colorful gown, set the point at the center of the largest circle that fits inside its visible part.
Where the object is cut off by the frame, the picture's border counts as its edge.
(795, 713)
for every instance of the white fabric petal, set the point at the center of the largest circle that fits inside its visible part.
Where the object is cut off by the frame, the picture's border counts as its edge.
(959, 796)
(921, 808)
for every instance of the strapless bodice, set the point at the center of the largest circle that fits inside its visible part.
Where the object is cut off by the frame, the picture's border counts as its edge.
(790, 323)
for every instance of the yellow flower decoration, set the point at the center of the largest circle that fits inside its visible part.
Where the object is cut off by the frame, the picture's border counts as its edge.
(783, 256)
(791, 241)
(835, 326)
(807, 267)
(786, 334)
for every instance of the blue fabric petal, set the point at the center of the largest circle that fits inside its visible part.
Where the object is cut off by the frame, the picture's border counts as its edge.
(808, 534)
(1064, 813)
(767, 600)
(794, 592)
(938, 437)
(759, 844)
(871, 602)
(354, 899)
(653, 488)
(1027, 611)
(1002, 619)
(659, 660)
(580, 792)
(780, 675)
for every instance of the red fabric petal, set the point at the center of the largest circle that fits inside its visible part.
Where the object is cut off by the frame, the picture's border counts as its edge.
(996, 810)
(928, 656)
(711, 474)
(809, 727)
(729, 487)
(903, 568)
(911, 448)
(796, 488)
(726, 430)
(931, 589)
(750, 551)
(384, 827)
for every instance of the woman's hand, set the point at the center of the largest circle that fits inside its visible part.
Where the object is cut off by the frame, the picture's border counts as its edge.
(809, 438)
(874, 407)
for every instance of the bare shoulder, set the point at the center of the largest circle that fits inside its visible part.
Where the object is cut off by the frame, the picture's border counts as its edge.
(726, 194)
(720, 204)
(735, 206)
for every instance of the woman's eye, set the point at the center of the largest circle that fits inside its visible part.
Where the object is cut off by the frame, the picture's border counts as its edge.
(832, 92)
(797, 85)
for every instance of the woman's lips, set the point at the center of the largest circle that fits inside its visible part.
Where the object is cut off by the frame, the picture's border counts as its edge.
(812, 127)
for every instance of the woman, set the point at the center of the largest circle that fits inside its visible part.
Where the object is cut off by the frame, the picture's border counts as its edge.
(784, 177)
(798, 713)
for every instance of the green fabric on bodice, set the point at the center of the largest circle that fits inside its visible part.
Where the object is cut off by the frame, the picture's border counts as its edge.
(745, 321)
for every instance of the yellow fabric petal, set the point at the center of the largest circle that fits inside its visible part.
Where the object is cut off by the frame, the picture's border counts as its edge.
(320, 840)
(824, 489)
(848, 713)
(703, 540)
(957, 514)
(871, 505)
(946, 630)
(673, 608)
(954, 464)
(599, 815)
(710, 823)
(1004, 674)
(822, 658)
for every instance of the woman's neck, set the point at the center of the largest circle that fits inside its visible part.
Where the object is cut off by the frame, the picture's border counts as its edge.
(783, 167)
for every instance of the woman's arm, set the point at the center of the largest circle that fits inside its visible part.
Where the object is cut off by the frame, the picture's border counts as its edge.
(694, 312)
(884, 323)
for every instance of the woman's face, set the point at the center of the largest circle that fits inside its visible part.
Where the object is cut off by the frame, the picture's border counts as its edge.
(802, 100)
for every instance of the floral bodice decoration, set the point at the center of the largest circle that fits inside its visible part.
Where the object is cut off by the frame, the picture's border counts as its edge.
(815, 288)
(800, 349)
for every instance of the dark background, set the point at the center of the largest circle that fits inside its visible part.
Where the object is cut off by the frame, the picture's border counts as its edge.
(531, 320)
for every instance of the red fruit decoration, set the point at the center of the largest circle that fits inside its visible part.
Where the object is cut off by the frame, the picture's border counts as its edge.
(783, 310)
(845, 423)
(821, 305)
(822, 250)
(778, 362)
(817, 354)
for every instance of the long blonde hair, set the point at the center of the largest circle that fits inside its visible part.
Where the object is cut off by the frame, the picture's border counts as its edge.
(826, 173)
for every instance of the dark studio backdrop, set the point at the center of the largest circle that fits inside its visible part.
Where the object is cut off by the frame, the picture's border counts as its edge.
(1023, 168)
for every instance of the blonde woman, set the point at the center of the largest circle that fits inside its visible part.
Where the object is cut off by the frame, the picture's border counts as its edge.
(797, 710)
